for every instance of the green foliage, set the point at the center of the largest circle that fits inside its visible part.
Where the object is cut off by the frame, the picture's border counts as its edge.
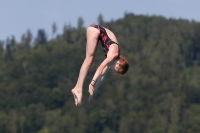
(159, 94)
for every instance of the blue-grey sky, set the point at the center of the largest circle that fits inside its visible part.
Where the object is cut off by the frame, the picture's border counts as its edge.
(17, 16)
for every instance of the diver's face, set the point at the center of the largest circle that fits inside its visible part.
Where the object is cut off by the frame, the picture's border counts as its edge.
(117, 66)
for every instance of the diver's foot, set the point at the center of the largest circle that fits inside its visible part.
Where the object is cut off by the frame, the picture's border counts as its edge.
(77, 96)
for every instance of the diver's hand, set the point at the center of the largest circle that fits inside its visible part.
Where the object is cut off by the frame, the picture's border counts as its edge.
(91, 91)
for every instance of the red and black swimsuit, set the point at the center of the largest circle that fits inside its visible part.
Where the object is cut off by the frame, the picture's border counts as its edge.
(103, 37)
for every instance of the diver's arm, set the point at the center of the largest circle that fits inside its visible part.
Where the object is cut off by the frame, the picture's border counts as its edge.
(100, 78)
(97, 83)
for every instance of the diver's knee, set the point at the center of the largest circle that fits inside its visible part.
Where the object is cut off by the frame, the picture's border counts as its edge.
(89, 59)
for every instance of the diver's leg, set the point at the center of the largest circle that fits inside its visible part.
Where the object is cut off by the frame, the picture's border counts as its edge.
(92, 35)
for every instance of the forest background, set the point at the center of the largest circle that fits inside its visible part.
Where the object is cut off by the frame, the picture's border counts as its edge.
(159, 94)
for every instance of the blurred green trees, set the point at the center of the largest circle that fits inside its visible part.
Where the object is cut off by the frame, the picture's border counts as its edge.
(159, 94)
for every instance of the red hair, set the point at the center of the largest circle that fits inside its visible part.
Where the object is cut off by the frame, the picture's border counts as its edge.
(123, 65)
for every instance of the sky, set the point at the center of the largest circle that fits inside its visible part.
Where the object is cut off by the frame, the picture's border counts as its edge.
(18, 16)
